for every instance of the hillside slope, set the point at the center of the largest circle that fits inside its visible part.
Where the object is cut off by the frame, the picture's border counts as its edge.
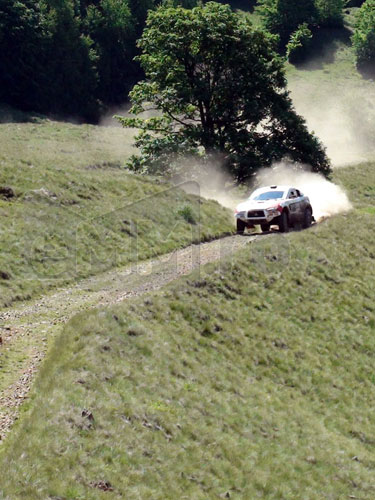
(73, 211)
(334, 97)
(250, 379)
(28, 330)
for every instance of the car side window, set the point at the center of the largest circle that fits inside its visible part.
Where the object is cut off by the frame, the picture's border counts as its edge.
(298, 193)
(292, 194)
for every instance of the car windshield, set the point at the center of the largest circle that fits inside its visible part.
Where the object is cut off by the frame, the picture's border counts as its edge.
(269, 195)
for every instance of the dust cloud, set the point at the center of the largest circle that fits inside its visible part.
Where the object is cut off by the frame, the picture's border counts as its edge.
(108, 118)
(327, 199)
(341, 116)
(210, 181)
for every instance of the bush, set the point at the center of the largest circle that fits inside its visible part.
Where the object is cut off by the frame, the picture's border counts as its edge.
(364, 37)
(186, 212)
(330, 12)
(298, 43)
(283, 17)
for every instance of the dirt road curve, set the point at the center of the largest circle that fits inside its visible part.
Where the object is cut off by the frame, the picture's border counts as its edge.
(27, 330)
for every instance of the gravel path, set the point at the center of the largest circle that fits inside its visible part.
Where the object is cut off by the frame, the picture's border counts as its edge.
(27, 330)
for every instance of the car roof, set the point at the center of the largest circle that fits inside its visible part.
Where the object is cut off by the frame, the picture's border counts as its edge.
(274, 187)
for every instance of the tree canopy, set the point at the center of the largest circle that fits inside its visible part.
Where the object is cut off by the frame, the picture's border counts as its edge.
(69, 63)
(73, 57)
(20, 33)
(214, 85)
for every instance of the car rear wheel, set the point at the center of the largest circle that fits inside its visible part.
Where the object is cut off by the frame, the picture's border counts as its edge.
(284, 223)
(240, 226)
(307, 218)
(265, 227)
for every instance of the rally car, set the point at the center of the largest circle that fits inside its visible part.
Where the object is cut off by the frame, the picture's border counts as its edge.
(282, 206)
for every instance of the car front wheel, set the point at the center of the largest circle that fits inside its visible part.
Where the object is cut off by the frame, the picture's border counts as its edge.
(307, 218)
(265, 227)
(240, 226)
(284, 223)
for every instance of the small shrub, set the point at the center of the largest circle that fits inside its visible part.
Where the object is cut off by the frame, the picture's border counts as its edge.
(299, 43)
(186, 212)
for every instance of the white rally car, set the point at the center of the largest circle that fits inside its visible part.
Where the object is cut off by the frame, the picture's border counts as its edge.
(283, 206)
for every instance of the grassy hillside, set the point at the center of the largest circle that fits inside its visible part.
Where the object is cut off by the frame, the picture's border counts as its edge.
(252, 379)
(73, 211)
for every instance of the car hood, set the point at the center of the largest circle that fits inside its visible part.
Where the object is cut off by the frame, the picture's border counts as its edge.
(256, 205)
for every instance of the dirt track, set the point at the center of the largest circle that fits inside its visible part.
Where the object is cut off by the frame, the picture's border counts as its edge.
(27, 330)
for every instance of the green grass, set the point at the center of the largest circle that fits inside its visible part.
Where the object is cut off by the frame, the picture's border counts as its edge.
(360, 182)
(252, 379)
(76, 212)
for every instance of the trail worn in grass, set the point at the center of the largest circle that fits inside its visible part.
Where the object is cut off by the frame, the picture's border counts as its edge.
(251, 379)
(27, 330)
(73, 212)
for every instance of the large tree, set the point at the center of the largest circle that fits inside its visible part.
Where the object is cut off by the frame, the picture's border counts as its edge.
(214, 85)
